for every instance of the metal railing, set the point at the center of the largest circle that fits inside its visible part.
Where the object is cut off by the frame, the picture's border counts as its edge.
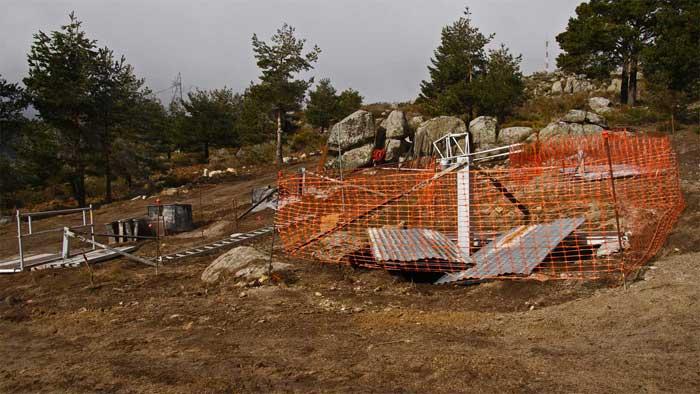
(87, 213)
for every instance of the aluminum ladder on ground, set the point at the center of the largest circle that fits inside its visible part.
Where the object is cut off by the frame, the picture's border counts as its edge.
(233, 240)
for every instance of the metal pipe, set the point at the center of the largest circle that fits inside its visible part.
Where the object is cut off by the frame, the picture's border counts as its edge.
(55, 212)
(614, 196)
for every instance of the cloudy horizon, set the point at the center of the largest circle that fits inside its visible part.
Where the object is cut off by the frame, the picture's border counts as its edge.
(380, 48)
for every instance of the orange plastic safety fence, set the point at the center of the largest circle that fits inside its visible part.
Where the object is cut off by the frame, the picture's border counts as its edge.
(552, 212)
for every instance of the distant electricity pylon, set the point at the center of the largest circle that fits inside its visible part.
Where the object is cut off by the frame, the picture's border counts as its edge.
(177, 89)
(546, 56)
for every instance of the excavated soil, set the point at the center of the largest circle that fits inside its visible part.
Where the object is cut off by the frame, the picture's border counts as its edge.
(330, 329)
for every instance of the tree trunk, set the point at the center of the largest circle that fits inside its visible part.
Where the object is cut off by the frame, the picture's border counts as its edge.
(632, 87)
(625, 83)
(78, 186)
(278, 154)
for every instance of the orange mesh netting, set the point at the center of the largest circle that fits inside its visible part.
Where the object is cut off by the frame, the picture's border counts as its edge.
(551, 212)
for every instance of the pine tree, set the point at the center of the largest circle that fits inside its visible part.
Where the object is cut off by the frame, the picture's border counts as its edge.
(280, 61)
(60, 85)
(458, 61)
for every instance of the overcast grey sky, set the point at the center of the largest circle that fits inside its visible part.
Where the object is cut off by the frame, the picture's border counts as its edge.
(380, 48)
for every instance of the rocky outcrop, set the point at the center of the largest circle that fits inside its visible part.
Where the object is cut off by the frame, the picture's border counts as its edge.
(432, 130)
(396, 125)
(599, 105)
(483, 131)
(356, 129)
(557, 83)
(514, 135)
(575, 122)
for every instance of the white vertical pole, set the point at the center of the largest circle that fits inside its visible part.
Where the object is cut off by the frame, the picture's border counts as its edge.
(29, 222)
(463, 219)
(92, 228)
(19, 241)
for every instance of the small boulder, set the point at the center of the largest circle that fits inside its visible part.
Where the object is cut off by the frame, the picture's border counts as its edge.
(434, 129)
(243, 262)
(514, 135)
(483, 131)
(615, 85)
(599, 105)
(574, 116)
(355, 129)
(395, 125)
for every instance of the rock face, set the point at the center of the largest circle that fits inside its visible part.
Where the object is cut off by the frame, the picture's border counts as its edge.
(483, 131)
(514, 135)
(415, 122)
(243, 262)
(395, 124)
(432, 130)
(599, 105)
(615, 85)
(356, 129)
(393, 150)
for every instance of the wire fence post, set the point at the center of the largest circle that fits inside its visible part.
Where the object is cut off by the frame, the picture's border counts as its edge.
(606, 139)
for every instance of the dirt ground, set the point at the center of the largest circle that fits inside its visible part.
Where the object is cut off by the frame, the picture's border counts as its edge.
(330, 329)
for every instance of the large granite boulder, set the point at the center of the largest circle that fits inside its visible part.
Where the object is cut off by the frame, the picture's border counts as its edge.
(355, 158)
(356, 129)
(483, 131)
(599, 105)
(557, 87)
(434, 129)
(514, 135)
(395, 124)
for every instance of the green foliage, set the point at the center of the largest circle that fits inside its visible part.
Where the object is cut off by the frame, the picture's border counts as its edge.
(211, 118)
(349, 101)
(306, 140)
(661, 37)
(501, 89)
(672, 62)
(635, 116)
(324, 107)
(458, 61)
(255, 124)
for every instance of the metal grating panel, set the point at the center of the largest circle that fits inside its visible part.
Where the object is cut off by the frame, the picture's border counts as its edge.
(410, 245)
(517, 251)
